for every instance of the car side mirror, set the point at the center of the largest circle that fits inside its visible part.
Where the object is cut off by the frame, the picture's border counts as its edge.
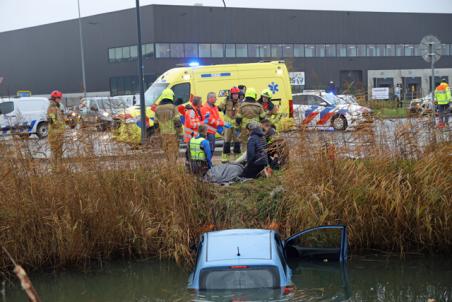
(323, 103)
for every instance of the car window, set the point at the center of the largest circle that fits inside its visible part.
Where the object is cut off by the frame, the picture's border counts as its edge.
(242, 277)
(181, 93)
(6, 107)
(314, 100)
(300, 100)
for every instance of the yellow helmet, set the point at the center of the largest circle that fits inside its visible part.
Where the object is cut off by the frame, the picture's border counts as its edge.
(251, 93)
(267, 92)
(168, 93)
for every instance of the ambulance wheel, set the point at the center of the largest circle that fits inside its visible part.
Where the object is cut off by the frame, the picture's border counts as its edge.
(42, 130)
(339, 122)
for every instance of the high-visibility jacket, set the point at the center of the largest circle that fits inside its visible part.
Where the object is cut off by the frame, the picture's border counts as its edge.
(55, 116)
(196, 152)
(214, 119)
(230, 108)
(250, 110)
(442, 94)
(167, 116)
(193, 120)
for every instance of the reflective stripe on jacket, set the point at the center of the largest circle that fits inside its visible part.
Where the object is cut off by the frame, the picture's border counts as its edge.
(214, 120)
(196, 152)
(167, 117)
(442, 94)
(192, 122)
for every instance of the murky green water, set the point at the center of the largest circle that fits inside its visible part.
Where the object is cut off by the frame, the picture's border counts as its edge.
(364, 279)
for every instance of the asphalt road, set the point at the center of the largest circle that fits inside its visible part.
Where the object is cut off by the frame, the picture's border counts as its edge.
(389, 134)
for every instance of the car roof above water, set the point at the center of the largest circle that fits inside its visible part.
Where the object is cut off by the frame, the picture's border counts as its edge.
(239, 244)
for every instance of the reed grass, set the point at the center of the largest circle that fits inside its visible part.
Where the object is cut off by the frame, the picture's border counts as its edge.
(89, 210)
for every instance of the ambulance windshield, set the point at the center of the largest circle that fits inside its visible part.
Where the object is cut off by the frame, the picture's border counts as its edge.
(154, 92)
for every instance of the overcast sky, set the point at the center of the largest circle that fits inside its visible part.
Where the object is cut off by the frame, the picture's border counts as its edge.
(15, 14)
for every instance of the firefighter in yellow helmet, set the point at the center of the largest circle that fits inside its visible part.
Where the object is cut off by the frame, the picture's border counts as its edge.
(250, 110)
(55, 119)
(271, 110)
(167, 119)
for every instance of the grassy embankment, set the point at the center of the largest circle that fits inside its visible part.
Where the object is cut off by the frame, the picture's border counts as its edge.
(91, 214)
(387, 109)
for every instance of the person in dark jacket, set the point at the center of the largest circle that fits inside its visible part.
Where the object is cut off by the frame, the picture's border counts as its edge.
(256, 154)
(331, 88)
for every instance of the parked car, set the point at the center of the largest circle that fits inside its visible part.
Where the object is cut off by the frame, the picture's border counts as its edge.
(24, 116)
(421, 106)
(348, 99)
(324, 110)
(99, 111)
(256, 258)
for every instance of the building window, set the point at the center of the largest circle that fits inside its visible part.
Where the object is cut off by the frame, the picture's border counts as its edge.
(409, 50)
(126, 53)
(309, 50)
(148, 50)
(162, 50)
(352, 51)
(241, 51)
(217, 50)
(320, 50)
(264, 50)
(390, 50)
(191, 50)
(177, 50)
(111, 55)
(204, 51)
(399, 50)
(277, 51)
(118, 54)
(417, 50)
(230, 50)
(445, 51)
(341, 50)
(371, 50)
(361, 50)
(287, 50)
(252, 50)
(134, 52)
(298, 50)
(259, 50)
(330, 50)
(380, 50)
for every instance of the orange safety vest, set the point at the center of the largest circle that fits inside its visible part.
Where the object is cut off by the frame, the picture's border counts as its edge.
(214, 120)
(191, 124)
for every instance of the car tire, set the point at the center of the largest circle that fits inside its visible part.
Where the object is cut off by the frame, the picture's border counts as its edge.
(339, 122)
(42, 131)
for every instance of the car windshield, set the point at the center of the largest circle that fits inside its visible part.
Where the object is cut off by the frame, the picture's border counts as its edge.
(108, 104)
(331, 99)
(154, 92)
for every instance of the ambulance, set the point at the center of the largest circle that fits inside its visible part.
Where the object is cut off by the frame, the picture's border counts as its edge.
(188, 82)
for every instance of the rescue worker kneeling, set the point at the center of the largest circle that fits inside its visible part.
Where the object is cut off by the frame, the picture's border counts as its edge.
(277, 148)
(256, 154)
(167, 118)
(199, 155)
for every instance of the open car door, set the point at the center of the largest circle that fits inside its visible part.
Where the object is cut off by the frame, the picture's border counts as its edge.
(322, 243)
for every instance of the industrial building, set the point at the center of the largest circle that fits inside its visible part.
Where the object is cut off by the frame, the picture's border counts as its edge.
(357, 50)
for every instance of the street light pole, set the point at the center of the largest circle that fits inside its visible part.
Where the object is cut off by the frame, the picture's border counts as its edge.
(82, 49)
(432, 84)
(140, 76)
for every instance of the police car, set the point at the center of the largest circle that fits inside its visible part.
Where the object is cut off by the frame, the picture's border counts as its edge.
(317, 109)
(26, 115)
(239, 259)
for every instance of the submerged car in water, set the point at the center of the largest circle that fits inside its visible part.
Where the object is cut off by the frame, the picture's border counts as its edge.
(257, 258)
(325, 110)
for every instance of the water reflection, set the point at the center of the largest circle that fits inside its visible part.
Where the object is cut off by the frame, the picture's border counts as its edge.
(363, 279)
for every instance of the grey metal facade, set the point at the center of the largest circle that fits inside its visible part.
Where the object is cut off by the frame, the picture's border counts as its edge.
(47, 57)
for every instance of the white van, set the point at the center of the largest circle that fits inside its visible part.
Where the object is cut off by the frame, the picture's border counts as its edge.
(26, 115)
